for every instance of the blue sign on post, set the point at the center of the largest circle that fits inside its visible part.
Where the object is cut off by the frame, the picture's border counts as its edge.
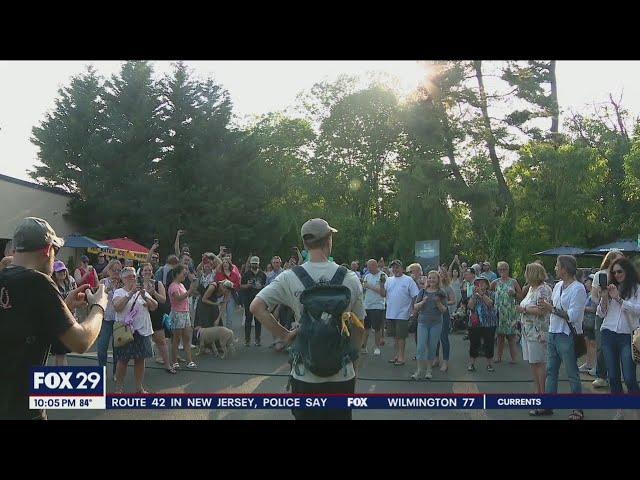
(428, 254)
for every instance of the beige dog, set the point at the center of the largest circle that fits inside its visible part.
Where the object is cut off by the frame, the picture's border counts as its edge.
(208, 336)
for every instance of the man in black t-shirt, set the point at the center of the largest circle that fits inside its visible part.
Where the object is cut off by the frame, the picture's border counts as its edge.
(253, 280)
(33, 313)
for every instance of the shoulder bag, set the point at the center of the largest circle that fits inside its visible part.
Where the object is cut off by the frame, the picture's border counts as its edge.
(579, 343)
(122, 331)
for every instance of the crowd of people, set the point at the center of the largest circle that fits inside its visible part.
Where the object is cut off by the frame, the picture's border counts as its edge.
(164, 303)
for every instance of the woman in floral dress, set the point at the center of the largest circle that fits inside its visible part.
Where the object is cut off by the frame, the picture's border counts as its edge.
(508, 292)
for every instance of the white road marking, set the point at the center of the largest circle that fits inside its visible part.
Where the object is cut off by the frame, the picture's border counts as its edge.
(248, 387)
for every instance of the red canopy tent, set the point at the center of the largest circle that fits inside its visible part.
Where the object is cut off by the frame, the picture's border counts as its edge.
(125, 248)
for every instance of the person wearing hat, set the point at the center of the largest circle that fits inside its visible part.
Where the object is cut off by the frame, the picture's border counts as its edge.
(317, 236)
(31, 304)
(401, 291)
(253, 280)
(65, 284)
(483, 322)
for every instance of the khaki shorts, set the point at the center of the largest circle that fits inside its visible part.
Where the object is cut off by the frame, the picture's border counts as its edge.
(397, 328)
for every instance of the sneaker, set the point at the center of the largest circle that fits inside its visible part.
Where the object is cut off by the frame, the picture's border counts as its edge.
(416, 376)
(376, 351)
(193, 346)
(364, 351)
(592, 372)
(584, 368)
(490, 368)
(428, 375)
(619, 415)
(258, 344)
(600, 383)
(444, 367)
(180, 347)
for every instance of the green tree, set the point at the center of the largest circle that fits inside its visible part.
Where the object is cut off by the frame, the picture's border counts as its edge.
(71, 138)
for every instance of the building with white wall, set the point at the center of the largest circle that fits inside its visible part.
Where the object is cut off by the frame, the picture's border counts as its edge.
(20, 199)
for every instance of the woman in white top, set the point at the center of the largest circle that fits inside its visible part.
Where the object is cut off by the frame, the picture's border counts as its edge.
(133, 300)
(620, 310)
(535, 325)
(601, 369)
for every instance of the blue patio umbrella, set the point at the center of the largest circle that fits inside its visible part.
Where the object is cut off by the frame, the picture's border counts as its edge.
(75, 240)
(564, 250)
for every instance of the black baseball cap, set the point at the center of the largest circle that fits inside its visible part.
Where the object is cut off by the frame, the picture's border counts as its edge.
(34, 234)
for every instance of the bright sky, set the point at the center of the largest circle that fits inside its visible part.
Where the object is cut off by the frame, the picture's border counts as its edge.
(28, 89)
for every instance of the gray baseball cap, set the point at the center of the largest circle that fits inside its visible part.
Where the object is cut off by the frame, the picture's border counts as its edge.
(255, 260)
(33, 234)
(315, 229)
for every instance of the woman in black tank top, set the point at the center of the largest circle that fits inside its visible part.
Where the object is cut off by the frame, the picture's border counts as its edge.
(157, 291)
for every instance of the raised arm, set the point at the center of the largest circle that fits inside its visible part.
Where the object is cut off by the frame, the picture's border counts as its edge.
(152, 250)
(176, 245)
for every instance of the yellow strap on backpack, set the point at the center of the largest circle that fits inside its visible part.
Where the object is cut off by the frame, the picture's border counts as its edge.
(350, 317)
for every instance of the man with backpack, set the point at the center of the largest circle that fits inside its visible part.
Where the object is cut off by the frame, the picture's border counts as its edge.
(324, 348)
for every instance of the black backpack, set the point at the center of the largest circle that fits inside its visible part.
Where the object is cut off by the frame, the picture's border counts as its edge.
(320, 345)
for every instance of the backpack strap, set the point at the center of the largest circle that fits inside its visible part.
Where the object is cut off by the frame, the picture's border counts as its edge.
(338, 278)
(304, 277)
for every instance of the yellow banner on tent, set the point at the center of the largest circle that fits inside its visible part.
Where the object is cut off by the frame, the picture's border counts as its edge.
(117, 253)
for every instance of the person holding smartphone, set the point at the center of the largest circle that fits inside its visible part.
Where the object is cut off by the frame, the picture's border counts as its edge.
(483, 322)
(598, 290)
(620, 310)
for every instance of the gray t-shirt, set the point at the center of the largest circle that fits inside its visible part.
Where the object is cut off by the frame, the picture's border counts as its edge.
(429, 314)
(286, 288)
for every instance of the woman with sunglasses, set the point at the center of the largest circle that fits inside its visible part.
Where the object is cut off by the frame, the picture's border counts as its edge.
(134, 301)
(620, 310)
(111, 282)
(65, 284)
(155, 288)
(101, 264)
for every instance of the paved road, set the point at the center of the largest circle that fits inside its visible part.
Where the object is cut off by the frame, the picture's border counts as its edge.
(262, 370)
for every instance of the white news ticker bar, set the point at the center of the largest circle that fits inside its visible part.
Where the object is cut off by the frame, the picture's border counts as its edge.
(67, 403)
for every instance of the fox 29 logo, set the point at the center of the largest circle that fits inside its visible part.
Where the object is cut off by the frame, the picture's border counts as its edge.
(67, 381)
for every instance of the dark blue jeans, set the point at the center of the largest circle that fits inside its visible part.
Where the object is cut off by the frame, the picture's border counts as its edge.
(560, 350)
(444, 337)
(104, 338)
(617, 350)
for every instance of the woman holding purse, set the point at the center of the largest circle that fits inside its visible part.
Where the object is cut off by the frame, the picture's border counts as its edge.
(620, 310)
(132, 304)
(535, 326)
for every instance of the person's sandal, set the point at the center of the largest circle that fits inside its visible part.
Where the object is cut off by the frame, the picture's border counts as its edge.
(175, 366)
(471, 368)
(490, 368)
(576, 415)
(192, 365)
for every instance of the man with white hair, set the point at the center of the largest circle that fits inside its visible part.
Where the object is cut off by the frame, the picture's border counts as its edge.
(374, 304)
